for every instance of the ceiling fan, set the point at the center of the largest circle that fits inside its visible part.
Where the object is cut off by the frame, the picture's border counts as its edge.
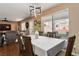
(5, 19)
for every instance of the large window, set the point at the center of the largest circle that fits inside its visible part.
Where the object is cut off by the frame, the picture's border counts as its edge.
(61, 25)
(61, 22)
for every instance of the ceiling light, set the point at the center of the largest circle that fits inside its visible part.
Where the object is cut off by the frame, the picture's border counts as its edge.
(35, 10)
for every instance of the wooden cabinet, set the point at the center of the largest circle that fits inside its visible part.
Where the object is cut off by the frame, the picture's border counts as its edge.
(5, 27)
(9, 25)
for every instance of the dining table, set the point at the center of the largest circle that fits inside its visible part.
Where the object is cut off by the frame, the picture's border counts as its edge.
(46, 46)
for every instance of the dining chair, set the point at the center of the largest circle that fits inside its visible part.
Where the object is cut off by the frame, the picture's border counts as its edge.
(51, 34)
(28, 46)
(41, 33)
(1, 40)
(0, 36)
(70, 45)
(25, 46)
(68, 51)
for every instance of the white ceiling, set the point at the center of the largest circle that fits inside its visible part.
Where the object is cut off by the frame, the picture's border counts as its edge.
(18, 11)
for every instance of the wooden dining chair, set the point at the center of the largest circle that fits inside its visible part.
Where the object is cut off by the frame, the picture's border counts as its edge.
(70, 45)
(68, 50)
(41, 33)
(28, 46)
(51, 34)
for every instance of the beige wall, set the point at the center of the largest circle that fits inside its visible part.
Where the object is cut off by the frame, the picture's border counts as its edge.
(74, 21)
(14, 26)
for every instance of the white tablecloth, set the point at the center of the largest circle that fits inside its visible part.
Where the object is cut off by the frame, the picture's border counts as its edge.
(45, 46)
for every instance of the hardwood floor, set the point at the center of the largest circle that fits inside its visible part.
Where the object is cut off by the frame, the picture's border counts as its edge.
(9, 50)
